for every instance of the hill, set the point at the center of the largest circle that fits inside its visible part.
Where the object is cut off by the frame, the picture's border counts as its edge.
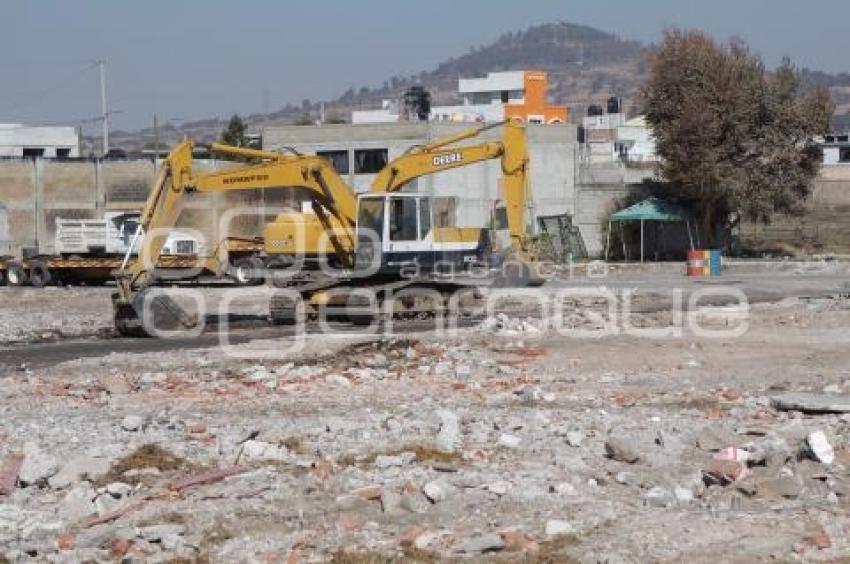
(585, 66)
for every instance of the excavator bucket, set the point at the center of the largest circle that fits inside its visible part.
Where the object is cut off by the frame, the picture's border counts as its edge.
(148, 315)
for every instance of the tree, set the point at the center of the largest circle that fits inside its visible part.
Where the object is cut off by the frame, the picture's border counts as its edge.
(234, 133)
(734, 140)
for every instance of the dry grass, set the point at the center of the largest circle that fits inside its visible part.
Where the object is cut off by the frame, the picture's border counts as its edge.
(146, 456)
(423, 454)
(410, 556)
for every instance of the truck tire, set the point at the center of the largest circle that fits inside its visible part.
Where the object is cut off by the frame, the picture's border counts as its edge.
(2, 277)
(247, 271)
(16, 275)
(40, 275)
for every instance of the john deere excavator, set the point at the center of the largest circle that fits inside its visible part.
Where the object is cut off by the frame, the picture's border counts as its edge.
(382, 241)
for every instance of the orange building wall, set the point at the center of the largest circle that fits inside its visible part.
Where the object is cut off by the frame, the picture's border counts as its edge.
(536, 86)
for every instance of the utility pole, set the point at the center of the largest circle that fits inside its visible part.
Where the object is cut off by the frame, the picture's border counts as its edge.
(155, 138)
(104, 110)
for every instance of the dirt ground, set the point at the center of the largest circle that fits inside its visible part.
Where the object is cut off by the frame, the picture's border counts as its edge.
(509, 441)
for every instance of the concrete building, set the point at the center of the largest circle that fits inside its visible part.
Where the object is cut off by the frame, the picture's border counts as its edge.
(465, 196)
(18, 140)
(495, 97)
(610, 137)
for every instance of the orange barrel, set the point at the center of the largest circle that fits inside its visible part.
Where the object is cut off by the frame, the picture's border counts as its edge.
(698, 263)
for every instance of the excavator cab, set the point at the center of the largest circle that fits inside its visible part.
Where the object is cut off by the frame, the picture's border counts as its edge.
(396, 234)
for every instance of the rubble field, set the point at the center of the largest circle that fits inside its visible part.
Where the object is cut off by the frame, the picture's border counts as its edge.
(508, 442)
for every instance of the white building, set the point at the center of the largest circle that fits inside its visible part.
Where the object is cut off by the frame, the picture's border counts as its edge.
(18, 140)
(836, 149)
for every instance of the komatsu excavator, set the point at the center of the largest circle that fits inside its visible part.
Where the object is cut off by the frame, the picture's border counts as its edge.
(382, 241)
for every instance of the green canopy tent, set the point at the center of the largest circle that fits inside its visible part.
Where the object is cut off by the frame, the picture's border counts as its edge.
(651, 209)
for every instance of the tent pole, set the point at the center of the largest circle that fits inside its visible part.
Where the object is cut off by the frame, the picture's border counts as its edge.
(608, 241)
(623, 238)
(641, 240)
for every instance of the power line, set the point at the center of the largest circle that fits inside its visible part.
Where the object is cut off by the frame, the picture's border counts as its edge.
(41, 94)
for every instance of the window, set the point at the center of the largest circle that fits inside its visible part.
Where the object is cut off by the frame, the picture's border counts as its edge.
(32, 152)
(844, 155)
(369, 161)
(371, 217)
(338, 160)
(506, 96)
(403, 219)
(63, 153)
(424, 218)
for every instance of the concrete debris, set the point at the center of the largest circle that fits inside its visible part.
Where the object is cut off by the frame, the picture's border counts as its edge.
(621, 450)
(448, 439)
(132, 423)
(575, 438)
(509, 441)
(483, 544)
(555, 527)
(817, 446)
(811, 403)
(263, 451)
(37, 466)
(434, 446)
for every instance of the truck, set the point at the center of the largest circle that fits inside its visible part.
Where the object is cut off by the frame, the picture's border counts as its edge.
(87, 251)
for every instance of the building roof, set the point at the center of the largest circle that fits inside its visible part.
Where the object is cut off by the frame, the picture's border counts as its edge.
(651, 209)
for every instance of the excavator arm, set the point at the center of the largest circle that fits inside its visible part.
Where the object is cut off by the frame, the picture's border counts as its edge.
(443, 154)
(176, 180)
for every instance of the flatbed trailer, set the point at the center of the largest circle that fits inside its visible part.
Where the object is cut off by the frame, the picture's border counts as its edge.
(233, 258)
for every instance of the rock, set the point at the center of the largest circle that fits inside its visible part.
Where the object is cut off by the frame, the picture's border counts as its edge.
(448, 439)
(436, 491)
(37, 466)
(509, 441)
(155, 533)
(555, 527)
(132, 423)
(575, 438)
(500, 487)
(415, 502)
(817, 447)
(726, 471)
(77, 503)
(260, 450)
(483, 544)
(390, 501)
(620, 450)
(811, 403)
(383, 461)
(658, 497)
(77, 469)
(627, 478)
(564, 488)
(684, 496)
(338, 380)
(118, 489)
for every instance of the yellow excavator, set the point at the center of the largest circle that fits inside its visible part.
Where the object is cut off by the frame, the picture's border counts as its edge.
(382, 241)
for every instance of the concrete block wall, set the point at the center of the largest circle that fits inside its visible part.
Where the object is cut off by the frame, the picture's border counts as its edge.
(33, 193)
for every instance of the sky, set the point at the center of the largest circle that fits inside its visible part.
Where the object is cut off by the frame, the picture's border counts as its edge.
(195, 59)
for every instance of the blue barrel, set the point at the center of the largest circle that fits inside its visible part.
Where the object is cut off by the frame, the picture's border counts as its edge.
(715, 262)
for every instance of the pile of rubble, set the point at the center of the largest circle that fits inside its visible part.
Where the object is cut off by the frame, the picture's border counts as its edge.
(505, 442)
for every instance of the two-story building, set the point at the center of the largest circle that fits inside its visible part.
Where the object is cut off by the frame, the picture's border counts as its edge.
(495, 97)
